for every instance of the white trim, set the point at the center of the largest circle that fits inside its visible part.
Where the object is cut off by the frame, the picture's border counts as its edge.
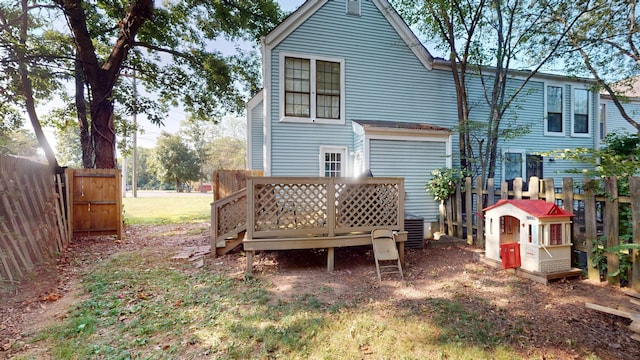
(312, 101)
(251, 104)
(446, 139)
(291, 23)
(333, 149)
(546, 84)
(266, 105)
(405, 32)
(589, 112)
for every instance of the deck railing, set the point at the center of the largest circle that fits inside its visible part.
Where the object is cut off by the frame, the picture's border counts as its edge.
(281, 207)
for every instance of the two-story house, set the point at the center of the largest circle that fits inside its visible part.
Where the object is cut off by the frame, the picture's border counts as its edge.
(348, 87)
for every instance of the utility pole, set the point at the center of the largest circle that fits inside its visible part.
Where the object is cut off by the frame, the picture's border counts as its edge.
(134, 172)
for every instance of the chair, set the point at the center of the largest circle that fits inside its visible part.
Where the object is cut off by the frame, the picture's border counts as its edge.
(385, 250)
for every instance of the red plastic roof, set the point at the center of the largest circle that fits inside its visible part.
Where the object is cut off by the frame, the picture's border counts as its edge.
(537, 208)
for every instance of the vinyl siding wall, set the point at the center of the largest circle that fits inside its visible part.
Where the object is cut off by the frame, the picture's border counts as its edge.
(257, 137)
(615, 123)
(384, 81)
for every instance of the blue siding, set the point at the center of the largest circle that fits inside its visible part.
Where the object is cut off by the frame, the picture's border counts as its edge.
(615, 122)
(257, 138)
(384, 81)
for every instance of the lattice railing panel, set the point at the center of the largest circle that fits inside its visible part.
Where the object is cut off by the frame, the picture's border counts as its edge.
(232, 216)
(366, 205)
(290, 206)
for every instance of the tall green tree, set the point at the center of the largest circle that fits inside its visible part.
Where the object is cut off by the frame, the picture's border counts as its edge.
(485, 39)
(19, 142)
(175, 161)
(605, 45)
(170, 48)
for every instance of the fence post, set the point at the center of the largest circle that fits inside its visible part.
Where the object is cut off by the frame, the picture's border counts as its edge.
(468, 209)
(567, 198)
(534, 188)
(504, 190)
(611, 213)
(634, 189)
(458, 213)
(491, 192)
(590, 226)
(517, 188)
(479, 213)
(549, 191)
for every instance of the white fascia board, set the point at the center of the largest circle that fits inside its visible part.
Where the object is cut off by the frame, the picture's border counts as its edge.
(405, 32)
(266, 108)
(291, 23)
(251, 104)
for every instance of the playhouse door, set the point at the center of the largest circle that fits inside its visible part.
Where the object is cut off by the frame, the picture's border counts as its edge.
(509, 229)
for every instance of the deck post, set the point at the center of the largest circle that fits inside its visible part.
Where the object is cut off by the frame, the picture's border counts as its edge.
(330, 259)
(249, 255)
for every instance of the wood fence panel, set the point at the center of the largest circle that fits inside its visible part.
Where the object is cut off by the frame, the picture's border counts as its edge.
(549, 190)
(611, 212)
(95, 199)
(458, 219)
(227, 182)
(29, 234)
(469, 209)
(517, 188)
(478, 213)
(591, 226)
(534, 188)
(634, 189)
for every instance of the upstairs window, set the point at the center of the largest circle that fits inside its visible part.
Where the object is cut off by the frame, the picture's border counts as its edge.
(553, 125)
(580, 112)
(512, 166)
(312, 89)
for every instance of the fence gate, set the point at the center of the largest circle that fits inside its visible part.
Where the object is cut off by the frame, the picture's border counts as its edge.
(95, 199)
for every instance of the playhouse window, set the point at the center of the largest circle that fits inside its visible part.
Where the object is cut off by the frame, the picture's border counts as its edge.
(530, 234)
(555, 234)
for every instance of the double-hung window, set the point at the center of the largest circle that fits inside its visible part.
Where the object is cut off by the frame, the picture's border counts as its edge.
(580, 112)
(554, 121)
(312, 89)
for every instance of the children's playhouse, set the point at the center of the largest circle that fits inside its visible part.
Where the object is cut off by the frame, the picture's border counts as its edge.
(533, 235)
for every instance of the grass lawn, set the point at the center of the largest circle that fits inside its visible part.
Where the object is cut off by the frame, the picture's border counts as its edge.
(166, 207)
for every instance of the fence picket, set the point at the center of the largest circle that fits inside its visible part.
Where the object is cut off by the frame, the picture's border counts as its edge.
(611, 212)
(634, 189)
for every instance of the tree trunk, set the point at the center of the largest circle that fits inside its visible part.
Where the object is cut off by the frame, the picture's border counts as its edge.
(83, 123)
(102, 129)
(27, 90)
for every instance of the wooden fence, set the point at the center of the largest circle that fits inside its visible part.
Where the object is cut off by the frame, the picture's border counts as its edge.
(33, 225)
(95, 202)
(227, 182)
(597, 217)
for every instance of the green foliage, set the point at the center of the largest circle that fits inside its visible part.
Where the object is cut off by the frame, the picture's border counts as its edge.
(623, 251)
(19, 142)
(174, 161)
(444, 183)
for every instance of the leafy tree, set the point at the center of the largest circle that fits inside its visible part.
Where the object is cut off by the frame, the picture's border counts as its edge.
(19, 142)
(167, 46)
(604, 45)
(68, 147)
(484, 39)
(174, 161)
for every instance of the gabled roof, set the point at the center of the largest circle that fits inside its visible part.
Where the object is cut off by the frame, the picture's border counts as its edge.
(538, 208)
(306, 10)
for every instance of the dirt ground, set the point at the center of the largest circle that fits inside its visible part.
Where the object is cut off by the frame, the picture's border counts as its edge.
(554, 318)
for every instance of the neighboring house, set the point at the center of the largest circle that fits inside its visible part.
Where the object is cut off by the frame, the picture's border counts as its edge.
(349, 88)
(611, 121)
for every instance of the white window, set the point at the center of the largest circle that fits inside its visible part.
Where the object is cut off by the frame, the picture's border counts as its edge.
(333, 161)
(581, 112)
(554, 121)
(312, 89)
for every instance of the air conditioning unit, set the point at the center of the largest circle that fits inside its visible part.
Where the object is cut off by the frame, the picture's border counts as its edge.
(414, 226)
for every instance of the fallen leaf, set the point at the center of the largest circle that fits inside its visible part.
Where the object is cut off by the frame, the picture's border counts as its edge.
(51, 297)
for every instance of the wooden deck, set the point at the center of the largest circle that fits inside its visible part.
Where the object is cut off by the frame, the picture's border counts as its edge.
(285, 213)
